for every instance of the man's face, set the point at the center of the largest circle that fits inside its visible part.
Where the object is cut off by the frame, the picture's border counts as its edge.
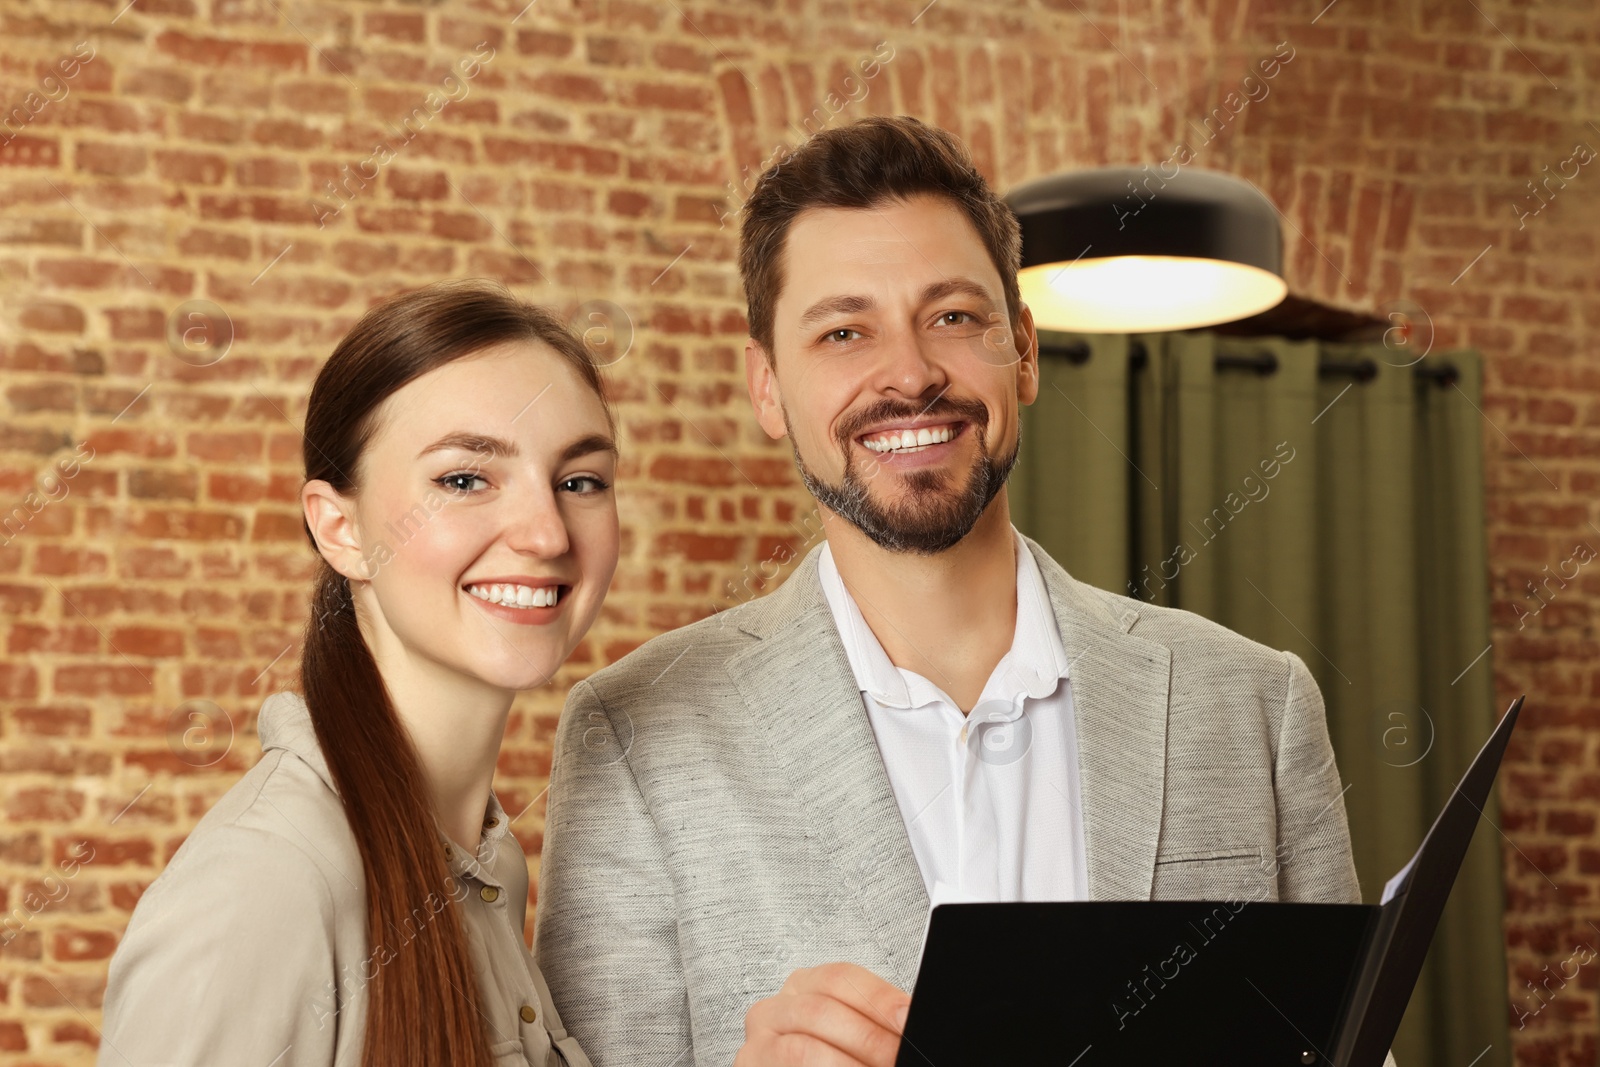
(895, 372)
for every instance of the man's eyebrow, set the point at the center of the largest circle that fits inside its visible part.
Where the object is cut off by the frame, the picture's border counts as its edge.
(851, 305)
(835, 305)
(954, 286)
(499, 446)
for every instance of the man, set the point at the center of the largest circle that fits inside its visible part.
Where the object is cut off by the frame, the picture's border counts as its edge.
(749, 817)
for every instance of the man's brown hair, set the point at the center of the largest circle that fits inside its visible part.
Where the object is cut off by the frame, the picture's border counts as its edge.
(861, 165)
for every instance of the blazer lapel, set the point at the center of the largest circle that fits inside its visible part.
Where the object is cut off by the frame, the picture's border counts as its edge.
(1119, 697)
(797, 682)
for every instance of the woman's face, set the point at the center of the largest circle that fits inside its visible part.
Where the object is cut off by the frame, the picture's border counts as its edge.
(487, 523)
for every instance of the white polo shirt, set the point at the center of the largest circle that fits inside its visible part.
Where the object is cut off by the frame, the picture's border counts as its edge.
(990, 799)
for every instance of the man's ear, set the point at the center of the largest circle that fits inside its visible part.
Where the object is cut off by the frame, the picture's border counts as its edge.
(763, 384)
(328, 514)
(1027, 341)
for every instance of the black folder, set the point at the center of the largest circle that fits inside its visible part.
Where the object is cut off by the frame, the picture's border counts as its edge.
(1159, 983)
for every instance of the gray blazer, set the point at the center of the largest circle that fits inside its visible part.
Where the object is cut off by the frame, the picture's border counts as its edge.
(719, 812)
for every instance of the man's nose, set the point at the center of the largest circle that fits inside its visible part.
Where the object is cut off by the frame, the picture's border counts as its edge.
(908, 366)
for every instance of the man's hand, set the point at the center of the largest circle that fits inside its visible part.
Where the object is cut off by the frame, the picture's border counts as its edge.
(835, 1015)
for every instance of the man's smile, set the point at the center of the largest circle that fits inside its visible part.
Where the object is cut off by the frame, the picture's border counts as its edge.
(910, 436)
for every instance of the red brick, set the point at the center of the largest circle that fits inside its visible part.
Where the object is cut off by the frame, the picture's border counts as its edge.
(417, 185)
(46, 317)
(18, 680)
(223, 52)
(556, 155)
(628, 203)
(269, 171)
(24, 150)
(63, 991)
(119, 680)
(44, 804)
(79, 273)
(286, 133)
(115, 160)
(467, 34)
(70, 945)
(576, 87)
(74, 1032)
(137, 324)
(56, 720)
(100, 851)
(544, 43)
(222, 447)
(172, 86)
(698, 548)
(396, 26)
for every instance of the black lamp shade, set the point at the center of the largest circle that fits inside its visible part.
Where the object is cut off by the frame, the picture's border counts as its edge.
(1126, 249)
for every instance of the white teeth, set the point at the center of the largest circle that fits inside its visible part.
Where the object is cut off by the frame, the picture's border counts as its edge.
(909, 440)
(516, 596)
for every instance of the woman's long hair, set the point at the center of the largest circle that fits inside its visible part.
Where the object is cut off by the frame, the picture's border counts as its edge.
(424, 1002)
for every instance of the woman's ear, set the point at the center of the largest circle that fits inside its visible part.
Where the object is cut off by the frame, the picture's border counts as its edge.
(331, 518)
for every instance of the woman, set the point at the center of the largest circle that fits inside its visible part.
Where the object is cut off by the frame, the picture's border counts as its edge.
(357, 899)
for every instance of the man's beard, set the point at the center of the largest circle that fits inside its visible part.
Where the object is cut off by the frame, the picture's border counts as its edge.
(933, 519)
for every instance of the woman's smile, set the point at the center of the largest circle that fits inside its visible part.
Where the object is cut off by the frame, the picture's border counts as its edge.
(531, 605)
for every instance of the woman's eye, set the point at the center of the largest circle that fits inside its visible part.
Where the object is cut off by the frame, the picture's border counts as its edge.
(595, 484)
(449, 478)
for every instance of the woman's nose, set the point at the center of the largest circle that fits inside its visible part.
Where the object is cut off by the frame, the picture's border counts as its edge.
(539, 527)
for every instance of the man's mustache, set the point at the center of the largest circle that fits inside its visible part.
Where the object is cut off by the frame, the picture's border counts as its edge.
(954, 409)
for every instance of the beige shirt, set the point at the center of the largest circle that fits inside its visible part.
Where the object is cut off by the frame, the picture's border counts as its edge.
(250, 948)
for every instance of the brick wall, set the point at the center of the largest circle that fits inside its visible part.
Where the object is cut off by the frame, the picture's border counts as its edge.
(198, 197)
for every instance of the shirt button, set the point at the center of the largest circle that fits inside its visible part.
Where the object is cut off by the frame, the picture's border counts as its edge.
(528, 1014)
(489, 893)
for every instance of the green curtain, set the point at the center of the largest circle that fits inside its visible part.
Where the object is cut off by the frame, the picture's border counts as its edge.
(1335, 515)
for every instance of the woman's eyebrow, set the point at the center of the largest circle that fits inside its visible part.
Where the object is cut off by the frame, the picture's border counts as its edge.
(499, 446)
(473, 442)
(588, 443)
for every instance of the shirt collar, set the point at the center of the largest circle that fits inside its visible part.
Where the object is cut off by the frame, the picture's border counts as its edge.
(1032, 667)
(285, 722)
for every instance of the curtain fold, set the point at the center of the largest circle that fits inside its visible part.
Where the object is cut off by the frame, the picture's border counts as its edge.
(1260, 483)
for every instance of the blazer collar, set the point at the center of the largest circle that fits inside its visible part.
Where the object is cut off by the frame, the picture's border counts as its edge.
(798, 681)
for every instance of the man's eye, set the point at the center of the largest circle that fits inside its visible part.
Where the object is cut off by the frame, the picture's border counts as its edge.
(964, 316)
(448, 478)
(842, 334)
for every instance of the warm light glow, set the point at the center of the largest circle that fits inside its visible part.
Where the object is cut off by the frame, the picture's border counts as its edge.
(1138, 294)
